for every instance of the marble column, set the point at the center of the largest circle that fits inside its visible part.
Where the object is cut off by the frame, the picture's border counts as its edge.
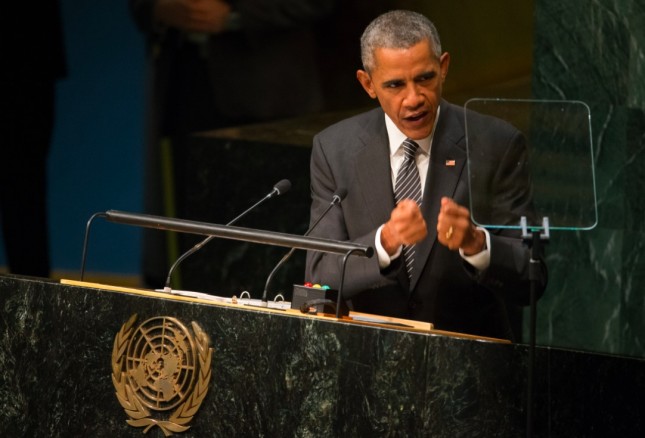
(594, 51)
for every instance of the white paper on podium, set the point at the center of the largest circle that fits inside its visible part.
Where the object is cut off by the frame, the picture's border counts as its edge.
(281, 305)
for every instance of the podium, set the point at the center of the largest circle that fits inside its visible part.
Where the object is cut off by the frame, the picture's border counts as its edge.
(278, 373)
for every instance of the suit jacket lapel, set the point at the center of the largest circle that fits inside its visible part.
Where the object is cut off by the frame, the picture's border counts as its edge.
(373, 174)
(447, 162)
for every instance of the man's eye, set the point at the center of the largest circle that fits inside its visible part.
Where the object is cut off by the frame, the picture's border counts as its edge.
(393, 84)
(428, 77)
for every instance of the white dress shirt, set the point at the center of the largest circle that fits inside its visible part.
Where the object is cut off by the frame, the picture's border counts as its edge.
(481, 260)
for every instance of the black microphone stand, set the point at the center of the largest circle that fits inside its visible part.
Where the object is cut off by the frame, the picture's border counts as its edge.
(534, 241)
(86, 238)
(199, 246)
(342, 281)
(235, 233)
(280, 188)
(264, 302)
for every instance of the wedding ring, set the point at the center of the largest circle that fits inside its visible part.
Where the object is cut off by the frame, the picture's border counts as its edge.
(449, 233)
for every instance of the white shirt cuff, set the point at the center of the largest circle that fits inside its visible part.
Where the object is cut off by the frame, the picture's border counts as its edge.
(481, 260)
(384, 259)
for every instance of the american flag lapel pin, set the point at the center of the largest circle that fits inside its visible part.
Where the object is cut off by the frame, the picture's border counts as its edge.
(450, 163)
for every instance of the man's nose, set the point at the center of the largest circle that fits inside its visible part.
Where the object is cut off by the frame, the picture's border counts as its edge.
(414, 96)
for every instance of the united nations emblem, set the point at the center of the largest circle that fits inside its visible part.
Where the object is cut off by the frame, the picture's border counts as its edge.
(160, 366)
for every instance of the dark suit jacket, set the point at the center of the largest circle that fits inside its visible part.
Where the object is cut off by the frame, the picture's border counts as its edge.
(446, 290)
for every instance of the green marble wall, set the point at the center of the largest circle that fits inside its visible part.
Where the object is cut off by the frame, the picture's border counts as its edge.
(595, 52)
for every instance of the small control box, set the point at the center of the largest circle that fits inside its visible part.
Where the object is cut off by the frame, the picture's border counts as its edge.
(321, 298)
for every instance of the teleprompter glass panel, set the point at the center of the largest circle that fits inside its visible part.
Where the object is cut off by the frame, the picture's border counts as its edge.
(532, 159)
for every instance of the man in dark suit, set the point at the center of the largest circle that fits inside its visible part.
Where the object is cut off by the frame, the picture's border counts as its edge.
(432, 262)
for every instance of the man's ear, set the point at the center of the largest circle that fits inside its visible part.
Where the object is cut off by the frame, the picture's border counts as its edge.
(365, 80)
(444, 61)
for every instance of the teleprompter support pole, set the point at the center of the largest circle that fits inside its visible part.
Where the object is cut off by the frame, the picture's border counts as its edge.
(534, 239)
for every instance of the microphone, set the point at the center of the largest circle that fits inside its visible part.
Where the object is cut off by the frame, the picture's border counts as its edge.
(280, 188)
(338, 196)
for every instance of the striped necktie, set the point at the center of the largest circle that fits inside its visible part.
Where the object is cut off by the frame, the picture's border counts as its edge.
(408, 186)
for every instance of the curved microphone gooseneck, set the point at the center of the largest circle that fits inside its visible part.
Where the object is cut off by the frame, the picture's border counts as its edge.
(86, 239)
(279, 188)
(338, 196)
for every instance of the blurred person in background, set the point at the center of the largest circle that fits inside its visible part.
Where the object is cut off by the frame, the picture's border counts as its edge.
(214, 64)
(33, 60)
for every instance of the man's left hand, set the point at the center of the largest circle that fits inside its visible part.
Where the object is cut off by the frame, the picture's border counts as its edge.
(456, 230)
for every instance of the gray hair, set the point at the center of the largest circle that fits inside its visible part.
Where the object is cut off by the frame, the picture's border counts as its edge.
(397, 30)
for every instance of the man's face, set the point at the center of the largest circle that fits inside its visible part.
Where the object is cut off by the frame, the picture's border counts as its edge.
(407, 84)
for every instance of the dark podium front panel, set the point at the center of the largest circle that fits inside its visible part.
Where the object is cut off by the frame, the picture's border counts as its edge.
(278, 374)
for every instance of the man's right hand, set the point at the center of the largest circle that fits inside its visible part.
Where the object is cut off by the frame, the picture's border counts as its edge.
(405, 227)
(201, 16)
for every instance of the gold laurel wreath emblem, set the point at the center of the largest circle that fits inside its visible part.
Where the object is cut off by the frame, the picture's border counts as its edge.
(140, 414)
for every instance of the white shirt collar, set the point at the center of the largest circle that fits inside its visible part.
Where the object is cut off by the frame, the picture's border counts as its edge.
(396, 137)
